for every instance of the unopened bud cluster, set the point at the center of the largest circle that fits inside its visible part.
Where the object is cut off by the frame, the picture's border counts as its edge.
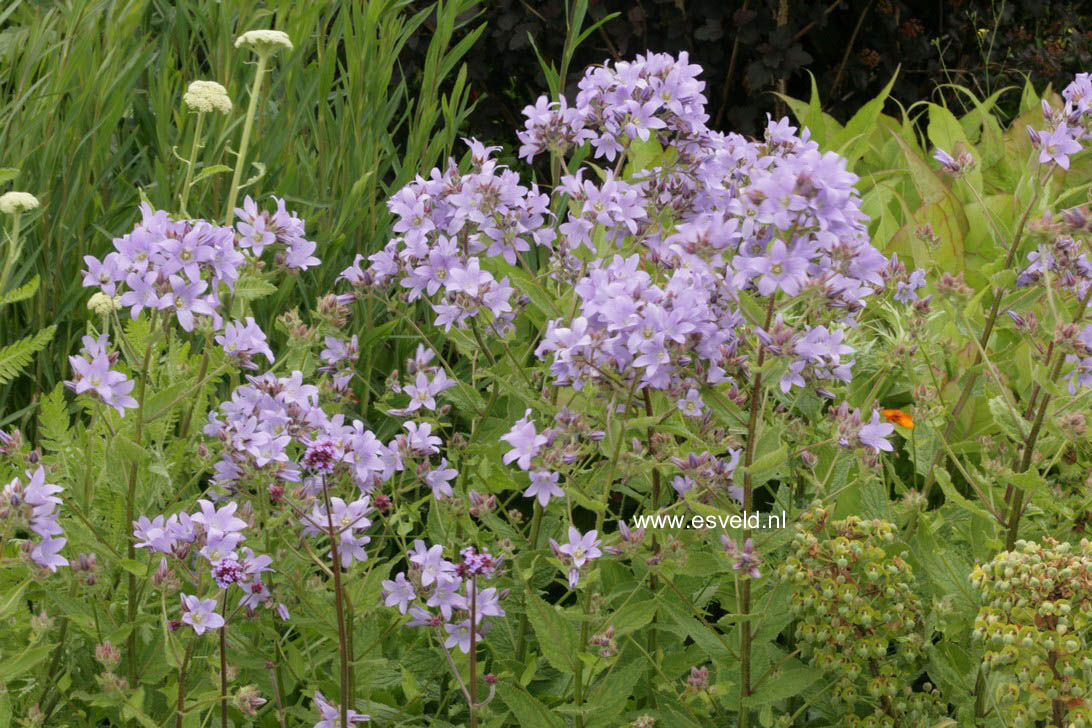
(859, 618)
(1035, 621)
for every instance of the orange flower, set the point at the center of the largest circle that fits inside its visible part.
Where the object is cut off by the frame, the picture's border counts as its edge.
(898, 417)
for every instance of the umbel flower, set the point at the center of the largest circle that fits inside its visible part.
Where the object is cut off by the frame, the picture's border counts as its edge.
(13, 203)
(206, 96)
(264, 42)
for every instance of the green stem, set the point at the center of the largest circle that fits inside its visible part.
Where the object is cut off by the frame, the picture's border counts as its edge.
(240, 162)
(223, 666)
(131, 646)
(191, 164)
(473, 651)
(339, 606)
(521, 641)
(13, 251)
(748, 502)
(180, 709)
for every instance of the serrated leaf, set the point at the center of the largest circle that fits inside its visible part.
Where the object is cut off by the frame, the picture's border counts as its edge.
(15, 357)
(784, 684)
(12, 599)
(633, 617)
(557, 638)
(26, 660)
(527, 709)
(608, 699)
(129, 450)
(21, 293)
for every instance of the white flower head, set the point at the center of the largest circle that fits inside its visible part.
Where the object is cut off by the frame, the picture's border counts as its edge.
(264, 42)
(12, 203)
(206, 96)
(102, 304)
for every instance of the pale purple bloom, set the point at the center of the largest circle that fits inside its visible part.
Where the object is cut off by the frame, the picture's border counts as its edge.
(581, 549)
(525, 441)
(200, 614)
(243, 341)
(439, 479)
(47, 553)
(330, 715)
(543, 487)
(874, 434)
(458, 635)
(1057, 146)
(398, 593)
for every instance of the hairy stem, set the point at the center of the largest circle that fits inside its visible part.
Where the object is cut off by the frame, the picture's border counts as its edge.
(185, 195)
(748, 501)
(180, 708)
(339, 606)
(223, 667)
(240, 162)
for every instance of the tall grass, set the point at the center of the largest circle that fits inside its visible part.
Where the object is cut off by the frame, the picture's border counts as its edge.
(91, 115)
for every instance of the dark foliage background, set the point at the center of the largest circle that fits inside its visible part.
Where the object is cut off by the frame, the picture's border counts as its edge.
(750, 49)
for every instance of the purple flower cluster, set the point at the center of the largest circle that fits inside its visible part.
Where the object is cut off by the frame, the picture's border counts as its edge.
(451, 589)
(553, 127)
(344, 520)
(92, 374)
(445, 223)
(259, 229)
(215, 534)
(34, 505)
(339, 357)
(631, 100)
(615, 206)
(746, 560)
(1081, 376)
(1066, 262)
(712, 475)
(1066, 128)
(169, 265)
(627, 326)
(428, 382)
(578, 554)
(854, 433)
(541, 453)
(243, 341)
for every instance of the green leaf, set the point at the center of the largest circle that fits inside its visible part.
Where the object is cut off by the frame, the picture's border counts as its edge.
(12, 600)
(526, 708)
(633, 617)
(27, 660)
(954, 497)
(210, 171)
(557, 638)
(608, 698)
(852, 141)
(15, 357)
(128, 450)
(7, 174)
(784, 684)
(138, 569)
(21, 293)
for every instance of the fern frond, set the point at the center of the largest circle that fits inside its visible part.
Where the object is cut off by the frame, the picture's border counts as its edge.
(15, 358)
(21, 293)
